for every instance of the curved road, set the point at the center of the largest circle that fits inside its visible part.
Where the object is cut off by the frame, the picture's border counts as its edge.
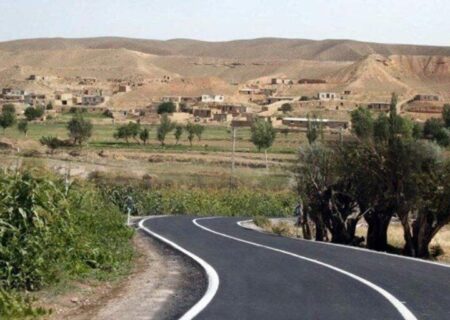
(263, 276)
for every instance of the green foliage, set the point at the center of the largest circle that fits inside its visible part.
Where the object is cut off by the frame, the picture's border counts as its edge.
(33, 113)
(130, 130)
(286, 107)
(196, 201)
(144, 135)
(314, 130)
(8, 116)
(166, 107)
(22, 126)
(381, 130)
(190, 129)
(362, 123)
(49, 230)
(262, 134)
(49, 106)
(417, 131)
(446, 115)
(434, 129)
(16, 306)
(50, 142)
(198, 130)
(165, 126)
(178, 132)
(80, 130)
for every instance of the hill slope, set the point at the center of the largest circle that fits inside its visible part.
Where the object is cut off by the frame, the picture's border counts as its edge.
(264, 48)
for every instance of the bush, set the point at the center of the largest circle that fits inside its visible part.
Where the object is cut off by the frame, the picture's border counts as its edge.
(52, 230)
(201, 202)
(33, 113)
(281, 229)
(262, 222)
(166, 107)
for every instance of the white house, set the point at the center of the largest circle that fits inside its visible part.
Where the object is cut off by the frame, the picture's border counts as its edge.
(326, 96)
(206, 98)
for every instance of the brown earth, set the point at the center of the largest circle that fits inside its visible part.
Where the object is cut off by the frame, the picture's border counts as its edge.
(212, 67)
(162, 285)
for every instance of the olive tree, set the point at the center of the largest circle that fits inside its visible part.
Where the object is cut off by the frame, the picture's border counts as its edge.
(165, 126)
(80, 130)
(263, 135)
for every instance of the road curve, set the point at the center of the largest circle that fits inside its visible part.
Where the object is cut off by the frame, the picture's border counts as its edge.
(263, 276)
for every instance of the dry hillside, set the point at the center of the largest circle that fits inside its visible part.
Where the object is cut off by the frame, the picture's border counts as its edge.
(216, 67)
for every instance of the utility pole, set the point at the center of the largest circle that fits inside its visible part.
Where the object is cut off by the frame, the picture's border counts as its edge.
(232, 155)
(234, 150)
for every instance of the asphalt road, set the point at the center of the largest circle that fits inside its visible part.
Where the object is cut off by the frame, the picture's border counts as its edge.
(269, 277)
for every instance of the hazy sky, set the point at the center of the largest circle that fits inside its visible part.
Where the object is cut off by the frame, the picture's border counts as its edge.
(392, 21)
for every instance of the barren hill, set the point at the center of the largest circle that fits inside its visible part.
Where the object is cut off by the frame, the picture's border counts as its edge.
(264, 48)
(201, 67)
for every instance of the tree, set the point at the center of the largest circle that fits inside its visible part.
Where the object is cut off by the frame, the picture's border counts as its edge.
(80, 130)
(178, 132)
(381, 128)
(190, 129)
(49, 106)
(314, 130)
(446, 115)
(144, 135)
(51, 142)
(33, 113)
(263, 135)
(22, 126)
(286, 107)
(165, 126)
(434, 129)
(362, 123)
(166, 107)
(198, 129)
(130, 130)
(7, 116)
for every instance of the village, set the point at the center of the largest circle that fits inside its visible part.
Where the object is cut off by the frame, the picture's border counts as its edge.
(251, 101)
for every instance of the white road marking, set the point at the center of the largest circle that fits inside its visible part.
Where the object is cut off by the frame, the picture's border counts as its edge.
(213, 277)
(401, 308)
(397, 256)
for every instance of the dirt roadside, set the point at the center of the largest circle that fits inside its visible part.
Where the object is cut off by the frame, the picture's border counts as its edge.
(162, 285)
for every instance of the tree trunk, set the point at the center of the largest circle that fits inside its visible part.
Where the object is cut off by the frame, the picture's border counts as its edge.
(421, 236)
(267, 163)
(409, 248)
(377, 231)
(306, 228)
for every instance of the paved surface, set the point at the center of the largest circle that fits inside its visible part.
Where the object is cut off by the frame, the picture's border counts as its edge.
(259, 283)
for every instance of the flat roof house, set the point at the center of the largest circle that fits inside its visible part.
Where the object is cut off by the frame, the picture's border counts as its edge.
(379, 106)
(327, 96)
(206, 98)
(426, 97)
(326, 123)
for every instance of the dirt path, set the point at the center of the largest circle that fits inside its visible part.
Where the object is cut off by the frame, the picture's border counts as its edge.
(162, 285)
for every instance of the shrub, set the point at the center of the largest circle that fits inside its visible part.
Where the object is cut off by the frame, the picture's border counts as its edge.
(166, 107)
(50, 229)
(33, 113)
(281, 229)
(262, 222)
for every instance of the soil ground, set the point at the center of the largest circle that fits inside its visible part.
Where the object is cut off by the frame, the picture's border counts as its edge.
(162, 285)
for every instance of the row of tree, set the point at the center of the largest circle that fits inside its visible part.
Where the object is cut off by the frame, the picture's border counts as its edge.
(388, 170)
(135, 131)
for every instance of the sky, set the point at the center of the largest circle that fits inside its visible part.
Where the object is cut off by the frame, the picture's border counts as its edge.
(386, 21)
